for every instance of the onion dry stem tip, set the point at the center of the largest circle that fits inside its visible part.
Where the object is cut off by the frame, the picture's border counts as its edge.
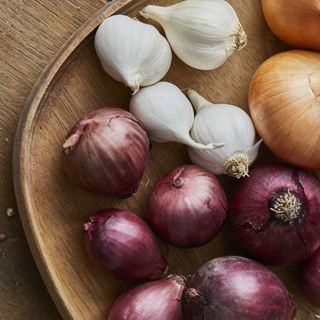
(286, 206)
(179, 279)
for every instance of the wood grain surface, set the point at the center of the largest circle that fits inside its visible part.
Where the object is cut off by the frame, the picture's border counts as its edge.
(53, 210)
(31, 32)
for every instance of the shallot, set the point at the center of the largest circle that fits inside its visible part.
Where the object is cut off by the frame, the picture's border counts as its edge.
(107, 152)
(187, 206)
(121, 244)
(309, 276)
(154, 300)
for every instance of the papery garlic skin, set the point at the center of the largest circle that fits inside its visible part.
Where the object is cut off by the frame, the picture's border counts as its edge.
(202, 33)
(132, 52)
(228, 124)
(166, 114)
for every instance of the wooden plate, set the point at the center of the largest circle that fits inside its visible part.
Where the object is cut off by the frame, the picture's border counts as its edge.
(53, 210)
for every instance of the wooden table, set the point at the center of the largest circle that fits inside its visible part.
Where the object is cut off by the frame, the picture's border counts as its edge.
(31, 31)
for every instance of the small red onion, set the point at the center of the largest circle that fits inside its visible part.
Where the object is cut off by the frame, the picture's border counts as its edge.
(274, 214)
(121, 244)
(155, 300)
(107, 152)
(187, 206)
(309, 278)
(233, 288)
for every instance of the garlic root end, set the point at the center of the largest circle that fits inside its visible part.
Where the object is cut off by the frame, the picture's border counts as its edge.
(237, 166)
(241, 39)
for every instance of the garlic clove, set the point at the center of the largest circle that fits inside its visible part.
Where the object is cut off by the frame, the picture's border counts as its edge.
(203, 34)
(132, 52)
(167, 115)
(227, 123)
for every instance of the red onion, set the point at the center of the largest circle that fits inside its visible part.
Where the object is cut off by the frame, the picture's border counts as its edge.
(274, 214)
(309, 276)
(107, 152)
(233, 288)
(155, 300)
(187, 206)
(121, 244)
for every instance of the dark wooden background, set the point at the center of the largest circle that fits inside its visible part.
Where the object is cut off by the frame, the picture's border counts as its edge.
(31, 31)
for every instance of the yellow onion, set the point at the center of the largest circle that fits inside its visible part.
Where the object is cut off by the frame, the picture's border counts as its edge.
(284, 102)
(296, 22)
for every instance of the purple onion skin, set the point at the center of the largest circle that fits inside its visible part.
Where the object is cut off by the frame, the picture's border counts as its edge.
(255, 228)
(155, 300)
(233, 288)
(122, 245)
(187, 206)
(309, 278)
(107, 152)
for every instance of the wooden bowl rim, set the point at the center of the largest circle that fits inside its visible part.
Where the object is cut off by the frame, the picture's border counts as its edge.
(23, 139)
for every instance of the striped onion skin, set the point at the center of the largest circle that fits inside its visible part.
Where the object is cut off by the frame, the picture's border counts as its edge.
(120, 244)
(236, 288)
(153, 300)
(187, 206)
(107, 152)
(309, 278)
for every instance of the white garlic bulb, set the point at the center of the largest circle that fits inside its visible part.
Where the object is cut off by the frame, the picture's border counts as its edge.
(202, 33)
(228, 124)
(132, 52)
(166, 113)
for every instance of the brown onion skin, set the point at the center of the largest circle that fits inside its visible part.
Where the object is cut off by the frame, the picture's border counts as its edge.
(253, 227)
(295, 22)
(309, 278)
(107, 152)
(187, 206)
(154, 300)
(233, 288)
(285, 107)
(122, 245)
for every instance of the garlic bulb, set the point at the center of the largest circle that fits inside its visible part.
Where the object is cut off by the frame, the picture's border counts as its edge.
(202, 33)
(166, 113)
(132, 52)
(228, 124)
